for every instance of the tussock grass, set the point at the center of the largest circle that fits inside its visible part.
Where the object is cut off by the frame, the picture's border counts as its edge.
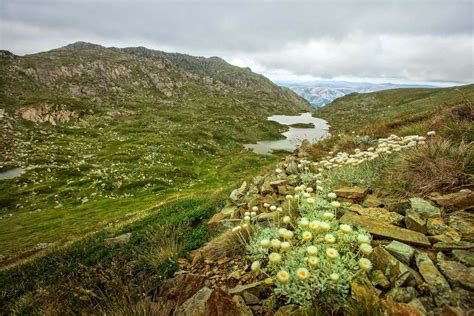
(439, 166)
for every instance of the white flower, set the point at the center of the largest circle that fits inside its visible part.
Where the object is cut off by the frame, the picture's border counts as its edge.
(247, 218)
(310, 200)
(363, 239)
(266, 205)
(255, 209)
(245, 225)
(298, 189)
(289, 197)
(273, 208)
(279, 209)
(345, 228)
(320, 188)
(255, 267)
(332, 253)
(286, 219)
(335, 204)
(314, 225)
(334, 277)
(366, 249)
(332, 195)
(307, 236)
(274, 258)
(253, 214)
(309, 190)
(365, 264)
(265, 243)
(328, 216)
(325, 226)
(302, 274)
(431, 133)
(330, 238)
(247, 214)
(312, 250)
(313, 261)
(288, 234)
(275, 243)
(283, 277)
(278, 170)
(304, 222)
(306, 195)
(236, 228)
(285, 246)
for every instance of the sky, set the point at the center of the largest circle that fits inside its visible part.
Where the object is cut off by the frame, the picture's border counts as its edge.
(400, 41)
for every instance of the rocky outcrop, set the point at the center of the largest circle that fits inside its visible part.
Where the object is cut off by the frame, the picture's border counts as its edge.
(47, 113)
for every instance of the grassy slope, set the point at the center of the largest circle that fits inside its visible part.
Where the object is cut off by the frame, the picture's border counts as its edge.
(132, 146)
(372, 110)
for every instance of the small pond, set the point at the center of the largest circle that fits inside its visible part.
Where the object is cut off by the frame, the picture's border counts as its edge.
(294, 136)
(11, 173)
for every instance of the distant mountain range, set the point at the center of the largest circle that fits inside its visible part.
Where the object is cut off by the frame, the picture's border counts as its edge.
(320, 93)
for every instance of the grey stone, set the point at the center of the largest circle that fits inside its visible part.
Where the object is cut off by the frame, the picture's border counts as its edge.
(249, 298)
(413, 221)
(424, 208)
(401, 251)
(457, 273)
(453, 245)
(402, 294)
(416, 303)
(464, 256)
(439, 286)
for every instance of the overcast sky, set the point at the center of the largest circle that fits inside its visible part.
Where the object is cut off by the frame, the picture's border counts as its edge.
(376, 41)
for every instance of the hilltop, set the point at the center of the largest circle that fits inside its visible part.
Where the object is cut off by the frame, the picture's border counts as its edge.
(103, 134)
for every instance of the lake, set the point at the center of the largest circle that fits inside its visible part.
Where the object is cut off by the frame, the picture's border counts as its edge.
(294, 136)
(11, 173)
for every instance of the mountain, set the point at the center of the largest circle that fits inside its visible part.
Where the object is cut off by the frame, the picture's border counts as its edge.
(105, 133)
(320, 93)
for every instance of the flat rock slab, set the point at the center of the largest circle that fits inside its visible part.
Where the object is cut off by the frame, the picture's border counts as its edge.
(401, 251)
(378, 214)
(463, 199)
(439, 287)
(353, 193)
(457, 273)
(453, 245)
(464, 256)
(384, 230)
(424, 208)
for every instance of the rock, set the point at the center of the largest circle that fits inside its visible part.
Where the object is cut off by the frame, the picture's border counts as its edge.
(249, 298)
(463, 222)
(424, 208)
(457, 273)
(174, 292)
(240, 302)
(402, 294)
(463, 199)
(228, 211)
(440, 246)
(292, 168)
(287, 310)
(416, 303)
(266, 187)
(439, 287)
(401, 309)
(234, 196)
(451, 311)
(353, 193)
(379, 279)
(413, 221)
(397, 271)
(378, 214)
(436, 226)
(401, 251)
(210, 302)
(270, 302)
(398, 205)
(241, 288)
(277, 183)
(450, 235)
(118, 240)
(237, 274)
(464, 256)
(372, 201)
(384, 230)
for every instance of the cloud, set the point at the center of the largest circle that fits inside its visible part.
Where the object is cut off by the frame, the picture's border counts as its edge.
(406, 39)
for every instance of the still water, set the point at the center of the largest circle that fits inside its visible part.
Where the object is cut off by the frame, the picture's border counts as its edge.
(11, 173)
(294, 136)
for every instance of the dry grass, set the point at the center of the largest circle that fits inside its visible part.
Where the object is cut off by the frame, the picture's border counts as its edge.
(439, 166)
(166, 245)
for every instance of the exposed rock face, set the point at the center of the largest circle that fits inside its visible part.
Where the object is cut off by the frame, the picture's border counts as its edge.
(378, 214)
(457, 273)
(47, 113)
